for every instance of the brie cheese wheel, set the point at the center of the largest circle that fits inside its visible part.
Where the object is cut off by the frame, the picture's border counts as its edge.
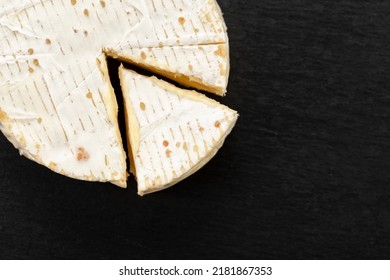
(57, 105)
(172, 132)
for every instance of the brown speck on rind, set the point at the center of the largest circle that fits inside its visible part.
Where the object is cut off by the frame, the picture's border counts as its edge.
(196, 148)
(143, 55)
(180, 9)
(190, 67)
(86, 12)
(222, 70)
(221, 51)
(196, 30)
(201, 129)
(48, 41)
(142, 106)
(185, 146)
(165, 143)
(75, 30)
(182, 20)
(85, 33)
(208, 17)
(102, 3)
(217, 124)
(73, 2)
(30, 70)
(168, 153)
(178, 144)
(22, 141)
(39, 120)
(161, 44)
(82, 154)
(30, 51)
(36, 62)
(3, 116)
(89, 95)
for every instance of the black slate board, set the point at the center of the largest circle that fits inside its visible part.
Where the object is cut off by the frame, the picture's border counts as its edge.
(304, 175)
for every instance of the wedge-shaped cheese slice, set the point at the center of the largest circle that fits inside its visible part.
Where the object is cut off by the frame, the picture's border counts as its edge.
(204, 67)
(57, 105)
(172, 132)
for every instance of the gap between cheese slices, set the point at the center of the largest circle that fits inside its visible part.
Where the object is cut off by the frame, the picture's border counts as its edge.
(172, 132)
(55, 105)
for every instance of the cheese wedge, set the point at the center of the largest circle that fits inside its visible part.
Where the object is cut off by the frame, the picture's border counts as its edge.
(172, 132)
(201, 67)
(57, 105)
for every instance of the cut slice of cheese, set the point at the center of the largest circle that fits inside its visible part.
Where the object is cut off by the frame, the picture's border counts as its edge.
(203, 67)
(57, 105)
(172, 132)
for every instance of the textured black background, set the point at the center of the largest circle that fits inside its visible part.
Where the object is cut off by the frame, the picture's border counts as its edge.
(305, 174)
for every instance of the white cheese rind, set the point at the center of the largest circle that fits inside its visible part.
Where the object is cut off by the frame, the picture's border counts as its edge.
(173, 132)
(55, 105)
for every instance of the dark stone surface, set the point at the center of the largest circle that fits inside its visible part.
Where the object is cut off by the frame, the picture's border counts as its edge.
(304, 175)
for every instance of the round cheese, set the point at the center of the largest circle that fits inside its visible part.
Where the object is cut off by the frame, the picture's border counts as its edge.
(57, 105)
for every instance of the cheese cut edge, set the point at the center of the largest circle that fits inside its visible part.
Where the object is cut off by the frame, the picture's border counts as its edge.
(132, 125)
(112, 109)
